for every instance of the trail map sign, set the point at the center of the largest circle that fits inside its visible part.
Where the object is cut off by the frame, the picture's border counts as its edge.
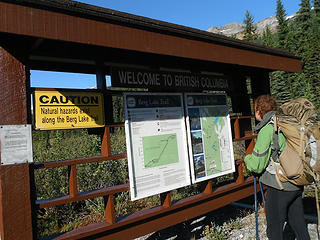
(67, 110)
(209, 135)
(156, 143)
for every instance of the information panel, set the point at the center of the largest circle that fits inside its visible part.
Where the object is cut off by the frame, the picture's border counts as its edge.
(156, 143)
(209, 135)
(67, 110)
(16, 144)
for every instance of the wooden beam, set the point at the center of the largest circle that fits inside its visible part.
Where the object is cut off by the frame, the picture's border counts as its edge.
(15, 203)
(23, 20)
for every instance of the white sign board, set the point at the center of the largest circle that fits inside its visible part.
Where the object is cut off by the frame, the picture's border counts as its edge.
(209, 135)
(156, 143)
(16, 144)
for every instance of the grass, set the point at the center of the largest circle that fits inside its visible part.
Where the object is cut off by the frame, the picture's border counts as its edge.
(239, 223)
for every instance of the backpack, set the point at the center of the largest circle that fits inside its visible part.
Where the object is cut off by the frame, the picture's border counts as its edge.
(299, 162)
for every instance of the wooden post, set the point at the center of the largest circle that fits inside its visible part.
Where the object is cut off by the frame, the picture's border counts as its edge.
(165, 199)
(208, 189)
(15, 203)
(73, 185)
(236, 129)
(100, 77)
(110, 214)
(239, 172)
(106, 145)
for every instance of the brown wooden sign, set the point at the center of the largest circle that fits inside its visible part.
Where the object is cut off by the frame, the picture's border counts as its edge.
(141, 78)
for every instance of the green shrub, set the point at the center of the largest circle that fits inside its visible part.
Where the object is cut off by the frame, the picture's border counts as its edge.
(58, 145)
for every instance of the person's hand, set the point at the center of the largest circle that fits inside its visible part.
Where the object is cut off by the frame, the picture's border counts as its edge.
(256, 174)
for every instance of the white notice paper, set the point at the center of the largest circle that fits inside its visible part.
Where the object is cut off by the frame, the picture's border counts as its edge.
(16, 144)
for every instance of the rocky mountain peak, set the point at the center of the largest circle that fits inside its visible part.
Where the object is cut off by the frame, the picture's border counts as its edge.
(228, 30)
(236, 29)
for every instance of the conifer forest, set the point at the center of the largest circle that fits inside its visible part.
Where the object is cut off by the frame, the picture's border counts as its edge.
(299, 35)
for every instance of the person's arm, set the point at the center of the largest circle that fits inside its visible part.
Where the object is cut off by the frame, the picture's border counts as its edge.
(259, 159)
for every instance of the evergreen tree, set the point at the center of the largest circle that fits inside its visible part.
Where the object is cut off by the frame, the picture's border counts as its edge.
(306, 44)
(282, 25)
(316, 6)
(304, 16)
(302, 28)
(316, 47)
(311, 62)
(267, 38)
(302, 38)
(249, 28)
(299, 41)
(234, 36)
(279, 79)
(280, 87)
(316, 17)
(309, 39)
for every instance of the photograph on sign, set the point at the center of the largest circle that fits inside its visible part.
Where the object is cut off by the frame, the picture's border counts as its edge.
(16, 144)
(156, 143)
(209, 135)
(68, 110)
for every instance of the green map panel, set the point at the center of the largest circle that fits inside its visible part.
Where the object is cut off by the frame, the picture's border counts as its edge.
(212, 127)
(160, 150)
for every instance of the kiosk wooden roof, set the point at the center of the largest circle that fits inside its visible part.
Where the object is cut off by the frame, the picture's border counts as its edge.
(64, 34)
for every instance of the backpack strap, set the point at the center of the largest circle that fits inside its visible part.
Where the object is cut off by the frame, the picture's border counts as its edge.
(275, 137)
(317, 201)
(276, 150)
(302, 137)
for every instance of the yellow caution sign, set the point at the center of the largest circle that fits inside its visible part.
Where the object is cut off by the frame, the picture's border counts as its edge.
(67, 110)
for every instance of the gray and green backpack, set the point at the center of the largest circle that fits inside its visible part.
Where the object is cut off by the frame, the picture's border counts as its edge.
(299, 162)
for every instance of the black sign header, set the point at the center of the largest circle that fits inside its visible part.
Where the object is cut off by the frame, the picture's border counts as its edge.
(152, 101)
(135, 78)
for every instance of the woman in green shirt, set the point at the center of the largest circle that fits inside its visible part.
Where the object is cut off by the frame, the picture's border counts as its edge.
(281, 205)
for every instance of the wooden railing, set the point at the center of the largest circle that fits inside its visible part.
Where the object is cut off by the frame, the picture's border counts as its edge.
(167, 214)
(248, 135)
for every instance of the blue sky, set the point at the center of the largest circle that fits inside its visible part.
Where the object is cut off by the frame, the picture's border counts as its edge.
(201, 14)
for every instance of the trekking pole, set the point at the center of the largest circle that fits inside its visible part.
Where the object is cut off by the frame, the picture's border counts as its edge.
(262, 193)
(256, 206)
(317, 202)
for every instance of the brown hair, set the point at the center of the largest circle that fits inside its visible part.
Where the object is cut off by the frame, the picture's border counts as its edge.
(265, 103)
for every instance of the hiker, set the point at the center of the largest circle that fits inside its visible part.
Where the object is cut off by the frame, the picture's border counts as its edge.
(281, 205)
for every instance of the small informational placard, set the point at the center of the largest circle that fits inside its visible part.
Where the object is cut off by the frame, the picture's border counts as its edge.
(67, 110)
(156, 143)
(16, 144)
(209, 135)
